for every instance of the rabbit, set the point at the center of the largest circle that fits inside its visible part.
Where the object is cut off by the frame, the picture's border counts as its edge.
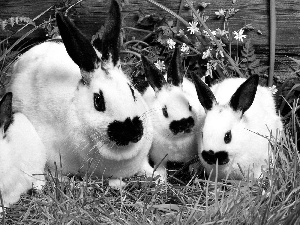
(176, 114)
(86, 110)
(240, 121)
(22, 154)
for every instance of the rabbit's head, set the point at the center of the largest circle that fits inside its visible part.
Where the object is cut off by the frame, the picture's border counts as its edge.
(109, 111)
(173, 109)
(225, 138)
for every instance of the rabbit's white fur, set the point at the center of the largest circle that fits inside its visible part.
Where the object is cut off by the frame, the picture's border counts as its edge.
(22, 159)
(247, 148)
(47, 88)
(167, 146)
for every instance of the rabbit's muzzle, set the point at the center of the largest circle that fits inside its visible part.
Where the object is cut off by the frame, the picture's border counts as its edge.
(184, 125)
(122, 133)
(211, 157)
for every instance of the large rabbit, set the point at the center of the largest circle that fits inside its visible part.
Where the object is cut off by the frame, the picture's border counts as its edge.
(241, 117)
(176, 114)
(85, 109)
(22, 154)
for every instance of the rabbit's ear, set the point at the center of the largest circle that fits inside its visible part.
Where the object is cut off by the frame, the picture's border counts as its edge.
(109, 46)
(77, 45)
(6, 116)
(244, 96)
(174, 73)
(205, 95)
(154, 76)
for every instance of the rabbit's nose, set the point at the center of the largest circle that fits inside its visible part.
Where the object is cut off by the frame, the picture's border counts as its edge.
(124, 132)
(184, 125)
(211, 157)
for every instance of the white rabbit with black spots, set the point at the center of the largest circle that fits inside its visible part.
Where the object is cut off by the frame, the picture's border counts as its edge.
(22, 154)
(241, 119)
(87, 112)
(176, 114)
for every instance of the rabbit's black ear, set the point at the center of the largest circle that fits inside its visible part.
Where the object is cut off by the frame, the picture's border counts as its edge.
(175, 72)
(205, 95)
(111, 37)
(244, 96)
(154, 76)
(77, 45)
(6, 116)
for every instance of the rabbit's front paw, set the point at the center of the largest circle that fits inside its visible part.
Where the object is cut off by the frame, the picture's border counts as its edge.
(116, 183)
(39, 184)
(161, 174)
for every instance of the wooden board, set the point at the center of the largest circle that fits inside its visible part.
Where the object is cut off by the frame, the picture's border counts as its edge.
(90, 15)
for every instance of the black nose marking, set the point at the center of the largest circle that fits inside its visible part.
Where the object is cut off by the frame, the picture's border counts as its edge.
(211, 158)
(184, 125)
(122, 133)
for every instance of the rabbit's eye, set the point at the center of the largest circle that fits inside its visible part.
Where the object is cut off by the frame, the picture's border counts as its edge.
(190, 107)
(165, 111)
(227, 137)
(132, 92)
(99, 102)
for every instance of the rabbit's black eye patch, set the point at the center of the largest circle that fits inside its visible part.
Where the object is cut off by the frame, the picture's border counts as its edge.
(190, 107)
(165, 111)
(132, 92)
(227, 137)
(99, 102)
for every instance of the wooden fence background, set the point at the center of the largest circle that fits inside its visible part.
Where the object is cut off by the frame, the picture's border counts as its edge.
(90, 15)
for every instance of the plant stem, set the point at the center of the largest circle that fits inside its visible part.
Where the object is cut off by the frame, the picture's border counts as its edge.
(135, 42)
(169, 11)
(136, 29)
(272, 41)
(237, 51)
(79, 1)
(179, 13)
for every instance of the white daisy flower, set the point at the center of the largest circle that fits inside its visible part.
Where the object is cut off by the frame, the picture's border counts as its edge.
(193, 28)
(184, 48)
(220, 13)
(171, 43)
(273, 89)
(160, 65)
(239, 35)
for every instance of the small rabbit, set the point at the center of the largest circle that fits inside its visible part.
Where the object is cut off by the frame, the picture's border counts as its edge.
(22, 154)
(87, 112)
(176, 114)
(241, 117)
